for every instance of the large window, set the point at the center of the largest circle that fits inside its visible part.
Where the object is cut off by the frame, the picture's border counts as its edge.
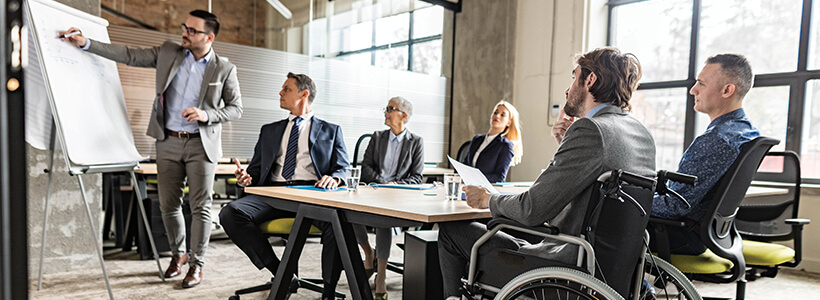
(396, 34)
(673, 38)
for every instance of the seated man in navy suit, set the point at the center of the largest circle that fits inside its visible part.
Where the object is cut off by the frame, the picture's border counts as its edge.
(299, 150)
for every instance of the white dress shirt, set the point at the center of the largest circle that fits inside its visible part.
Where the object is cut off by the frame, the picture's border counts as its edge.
(304, 164)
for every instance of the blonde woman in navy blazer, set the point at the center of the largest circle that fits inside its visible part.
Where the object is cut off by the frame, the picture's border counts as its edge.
(504, 149)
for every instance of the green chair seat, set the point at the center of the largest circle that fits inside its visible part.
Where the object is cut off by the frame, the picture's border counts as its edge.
(705, 263)
(283, 226)
(766, 254)
(151, 181)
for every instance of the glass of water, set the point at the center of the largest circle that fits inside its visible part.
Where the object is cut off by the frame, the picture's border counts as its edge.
(352, 176)
(452, 186)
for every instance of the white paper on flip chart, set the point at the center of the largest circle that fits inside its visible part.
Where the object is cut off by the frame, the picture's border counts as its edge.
(472, 176)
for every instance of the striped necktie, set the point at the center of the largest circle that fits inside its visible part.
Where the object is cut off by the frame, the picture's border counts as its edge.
(289, 167)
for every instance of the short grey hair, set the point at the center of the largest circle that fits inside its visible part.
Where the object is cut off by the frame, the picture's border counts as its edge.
(303, 82)
(403, 105)
(737, 69)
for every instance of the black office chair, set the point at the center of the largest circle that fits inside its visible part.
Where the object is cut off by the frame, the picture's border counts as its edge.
(766, 219)
(359, 155)
(723, 261)
(281, 228)
(461, 155)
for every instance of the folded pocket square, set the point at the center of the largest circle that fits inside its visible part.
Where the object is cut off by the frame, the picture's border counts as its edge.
(214, 83)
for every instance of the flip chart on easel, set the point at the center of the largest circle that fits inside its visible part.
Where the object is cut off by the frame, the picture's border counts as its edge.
(86, 98)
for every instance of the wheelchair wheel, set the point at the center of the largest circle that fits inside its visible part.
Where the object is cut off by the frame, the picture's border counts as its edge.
(556, 283)
(668, 281)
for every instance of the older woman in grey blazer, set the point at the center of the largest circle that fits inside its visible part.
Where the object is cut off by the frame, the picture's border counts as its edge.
(396, 156)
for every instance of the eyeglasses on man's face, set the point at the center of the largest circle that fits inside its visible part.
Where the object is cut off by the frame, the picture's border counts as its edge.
(390, 109)
(191, 31)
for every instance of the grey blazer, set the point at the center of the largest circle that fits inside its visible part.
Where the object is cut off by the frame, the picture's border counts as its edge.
(411, 158)
(609, 140)
(219, 96)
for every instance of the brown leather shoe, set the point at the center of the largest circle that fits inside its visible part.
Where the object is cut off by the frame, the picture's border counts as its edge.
(193, 278)
(175, 268)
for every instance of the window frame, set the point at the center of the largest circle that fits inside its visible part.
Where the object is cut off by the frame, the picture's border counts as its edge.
(409, 42)
(797, 80)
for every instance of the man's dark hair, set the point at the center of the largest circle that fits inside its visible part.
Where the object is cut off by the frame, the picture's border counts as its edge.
(303, 82)
(737, 69)
(618, 75)
(211, 21)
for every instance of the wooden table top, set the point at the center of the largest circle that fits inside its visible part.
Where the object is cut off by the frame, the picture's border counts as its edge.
(427, 206)
(228, 169)
(221, 169)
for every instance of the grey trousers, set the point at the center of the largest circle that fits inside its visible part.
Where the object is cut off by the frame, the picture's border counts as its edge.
(384, 239)
(178, 159)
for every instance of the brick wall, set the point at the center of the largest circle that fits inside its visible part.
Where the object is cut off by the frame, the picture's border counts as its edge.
(236, 17)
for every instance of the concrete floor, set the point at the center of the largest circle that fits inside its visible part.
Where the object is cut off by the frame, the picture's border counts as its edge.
(227, 269)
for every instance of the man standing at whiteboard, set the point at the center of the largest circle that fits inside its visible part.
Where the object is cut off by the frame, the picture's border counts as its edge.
(196, 92)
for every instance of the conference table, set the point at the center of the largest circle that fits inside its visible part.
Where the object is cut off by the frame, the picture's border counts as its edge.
(376, 207)
(134, 233)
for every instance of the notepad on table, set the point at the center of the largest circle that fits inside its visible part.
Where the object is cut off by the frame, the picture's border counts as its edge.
(313, 188)
(423, 186)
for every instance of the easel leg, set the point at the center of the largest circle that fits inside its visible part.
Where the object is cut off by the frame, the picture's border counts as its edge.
(45, 218)
(97, 244)
(147, 225)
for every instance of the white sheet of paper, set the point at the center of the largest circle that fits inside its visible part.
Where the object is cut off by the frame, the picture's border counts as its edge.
(472, 176)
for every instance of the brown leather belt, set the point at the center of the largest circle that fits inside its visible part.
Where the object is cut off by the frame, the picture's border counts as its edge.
(182, 135)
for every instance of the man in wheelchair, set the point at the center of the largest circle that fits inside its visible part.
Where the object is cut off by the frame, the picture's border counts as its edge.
(595, 135)
(719, 91)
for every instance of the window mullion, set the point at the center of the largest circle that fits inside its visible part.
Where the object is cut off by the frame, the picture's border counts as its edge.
(689, 128)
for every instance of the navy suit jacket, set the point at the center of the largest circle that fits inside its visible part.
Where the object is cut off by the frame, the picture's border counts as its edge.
(494, 160)
(327, 150)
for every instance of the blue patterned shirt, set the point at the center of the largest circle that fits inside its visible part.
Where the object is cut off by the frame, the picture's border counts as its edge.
(183, 92)
(708, 157)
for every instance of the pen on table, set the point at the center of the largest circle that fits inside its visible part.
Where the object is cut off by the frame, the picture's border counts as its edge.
(70, 34)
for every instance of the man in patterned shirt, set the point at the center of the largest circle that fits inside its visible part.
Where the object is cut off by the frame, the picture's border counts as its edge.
(719, 92)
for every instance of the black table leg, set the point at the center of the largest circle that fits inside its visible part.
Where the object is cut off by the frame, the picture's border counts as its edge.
(290, 259)
(351, 259)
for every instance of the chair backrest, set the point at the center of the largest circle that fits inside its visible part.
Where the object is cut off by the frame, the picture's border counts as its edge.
(615, 229)
(461, 155)
(763, 218)
(359, 155)
(717, 228)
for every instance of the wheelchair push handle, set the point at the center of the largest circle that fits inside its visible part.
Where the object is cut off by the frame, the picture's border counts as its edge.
(612, 186)
(638, 180)
(664, 176)
(677, 177)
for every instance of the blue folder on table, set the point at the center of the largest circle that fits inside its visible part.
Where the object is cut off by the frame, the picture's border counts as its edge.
(313, 188)
(424, 186)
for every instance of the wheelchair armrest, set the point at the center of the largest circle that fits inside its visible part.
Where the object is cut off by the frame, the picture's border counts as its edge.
(545, 228)
(661, 221)
(800, 222)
